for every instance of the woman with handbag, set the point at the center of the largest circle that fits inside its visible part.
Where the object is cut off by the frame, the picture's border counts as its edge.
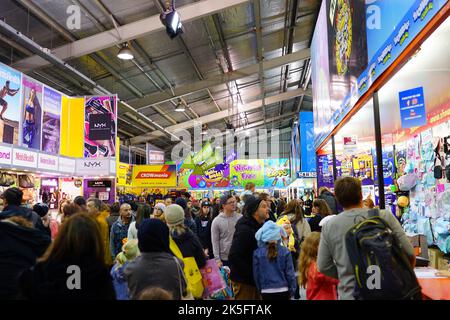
(185, 245)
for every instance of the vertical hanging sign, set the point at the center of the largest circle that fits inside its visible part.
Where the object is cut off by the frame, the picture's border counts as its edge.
(51, 121)
(100, 126)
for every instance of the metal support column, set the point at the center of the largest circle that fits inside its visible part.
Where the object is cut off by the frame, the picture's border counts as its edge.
(333, 147)
(379, 150)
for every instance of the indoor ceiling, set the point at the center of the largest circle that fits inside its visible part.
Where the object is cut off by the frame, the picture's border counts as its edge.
(233, 56)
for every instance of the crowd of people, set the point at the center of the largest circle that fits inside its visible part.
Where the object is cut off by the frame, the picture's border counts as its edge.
(125, 251)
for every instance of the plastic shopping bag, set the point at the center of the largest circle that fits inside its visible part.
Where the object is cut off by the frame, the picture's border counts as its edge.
(226, 293)
(212, 278)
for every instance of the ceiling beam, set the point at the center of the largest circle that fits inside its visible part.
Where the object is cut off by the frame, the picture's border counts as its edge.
(127, 32)
(216, 80)
(259, 51)
(219, 115)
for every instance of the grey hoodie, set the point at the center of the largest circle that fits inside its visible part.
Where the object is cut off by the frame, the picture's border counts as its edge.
(222, 232)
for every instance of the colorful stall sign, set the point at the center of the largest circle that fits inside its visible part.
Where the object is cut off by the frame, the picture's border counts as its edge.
(154, 176)
(100, 123)
(5, 155)
(51, 122)
(31, 113)
(350, 144)
(48, 162)
(301, 175)
(92, 167)
(276, 173)
(244, 171)
(124, 175)
(10, 102)
(363, 168)
(325, 171)
(25, 158)
(412, 108)
(217, 177)
(67, 165)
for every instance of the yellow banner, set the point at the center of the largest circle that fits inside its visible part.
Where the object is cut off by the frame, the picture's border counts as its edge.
(124, 174)
(72, 127)
(154, 176)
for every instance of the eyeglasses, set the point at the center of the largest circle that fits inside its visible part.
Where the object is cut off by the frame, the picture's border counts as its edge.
(231, 202)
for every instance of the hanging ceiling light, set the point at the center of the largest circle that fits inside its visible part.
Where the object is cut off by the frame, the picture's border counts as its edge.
(172, 20)
(125, 53)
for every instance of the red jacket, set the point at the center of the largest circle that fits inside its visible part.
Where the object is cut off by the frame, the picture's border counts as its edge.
(320, 286)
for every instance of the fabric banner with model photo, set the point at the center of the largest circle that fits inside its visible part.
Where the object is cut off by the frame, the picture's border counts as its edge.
(31, 113)
(51, 123)
(100, 120)
(10, 96)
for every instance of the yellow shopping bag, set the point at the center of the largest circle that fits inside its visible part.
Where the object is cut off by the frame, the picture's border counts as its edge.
(191, 271)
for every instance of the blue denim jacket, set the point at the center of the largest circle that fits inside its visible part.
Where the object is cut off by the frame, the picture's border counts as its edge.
(274, 274)
(120, 282)
(119, 231)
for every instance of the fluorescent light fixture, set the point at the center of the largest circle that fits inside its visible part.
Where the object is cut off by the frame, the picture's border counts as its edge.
(180, 107)
(125, 53)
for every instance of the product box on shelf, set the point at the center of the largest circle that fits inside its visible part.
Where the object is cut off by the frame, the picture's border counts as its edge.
(443, 263)
(419, 242)
(435, 255)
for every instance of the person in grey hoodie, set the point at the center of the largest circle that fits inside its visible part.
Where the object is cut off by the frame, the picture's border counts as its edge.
(223, 227)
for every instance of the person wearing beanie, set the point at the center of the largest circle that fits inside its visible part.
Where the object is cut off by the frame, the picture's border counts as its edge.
(188, 220)
(156, 266)
(129, 252)
(242, 248)
(158, 212)
(51, 225)
(185, 239)
(223, 228)
(273, 268)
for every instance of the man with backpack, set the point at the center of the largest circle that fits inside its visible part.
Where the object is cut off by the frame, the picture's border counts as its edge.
(367, 250)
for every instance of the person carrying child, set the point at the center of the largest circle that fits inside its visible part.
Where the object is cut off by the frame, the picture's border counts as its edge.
(129, 252)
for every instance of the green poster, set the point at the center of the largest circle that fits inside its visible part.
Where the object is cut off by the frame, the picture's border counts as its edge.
(243, 171)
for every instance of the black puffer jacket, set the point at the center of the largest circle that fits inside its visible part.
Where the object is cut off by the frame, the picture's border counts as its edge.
(190, 246)
(48, 281)
(19, 249)
(241, 252)
(30, 215)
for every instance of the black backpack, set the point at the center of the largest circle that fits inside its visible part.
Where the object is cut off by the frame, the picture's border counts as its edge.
(372, 247)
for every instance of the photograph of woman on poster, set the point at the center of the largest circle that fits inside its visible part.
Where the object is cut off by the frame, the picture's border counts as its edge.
(32, 107)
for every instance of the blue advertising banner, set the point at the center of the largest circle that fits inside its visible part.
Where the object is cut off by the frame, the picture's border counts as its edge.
(414, 21)
(381, 18)
(325, 171)
(412, 108)
(308, 155)
(388, 167)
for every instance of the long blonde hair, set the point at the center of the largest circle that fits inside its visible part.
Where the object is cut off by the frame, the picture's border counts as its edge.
(310, 247)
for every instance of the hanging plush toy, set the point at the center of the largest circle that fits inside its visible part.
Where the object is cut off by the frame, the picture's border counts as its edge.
(288, 242)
